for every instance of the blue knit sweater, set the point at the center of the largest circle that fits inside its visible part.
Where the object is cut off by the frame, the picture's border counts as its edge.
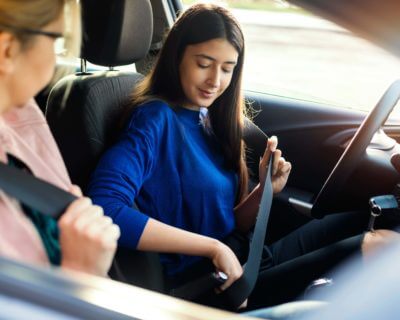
(173, 170)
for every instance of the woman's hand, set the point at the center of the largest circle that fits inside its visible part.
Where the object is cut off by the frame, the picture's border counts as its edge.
(375, 240)
(281, 168)
(226, 261)
(88, 239)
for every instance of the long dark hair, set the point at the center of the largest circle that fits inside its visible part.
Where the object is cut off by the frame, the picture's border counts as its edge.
(201, 23)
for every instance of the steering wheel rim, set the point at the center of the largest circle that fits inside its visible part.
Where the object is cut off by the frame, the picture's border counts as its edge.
(355, 149)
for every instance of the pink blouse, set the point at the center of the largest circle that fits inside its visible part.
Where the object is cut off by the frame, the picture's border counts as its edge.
(25, 134)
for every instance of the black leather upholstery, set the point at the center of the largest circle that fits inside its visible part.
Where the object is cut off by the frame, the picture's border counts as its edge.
(116, 32)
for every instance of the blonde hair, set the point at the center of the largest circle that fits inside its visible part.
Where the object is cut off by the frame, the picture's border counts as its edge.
(36, 14)
(17, 16)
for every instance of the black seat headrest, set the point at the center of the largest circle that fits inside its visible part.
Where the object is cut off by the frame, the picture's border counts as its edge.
(116, 32)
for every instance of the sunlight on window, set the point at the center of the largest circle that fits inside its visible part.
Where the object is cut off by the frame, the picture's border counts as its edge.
(292, 53)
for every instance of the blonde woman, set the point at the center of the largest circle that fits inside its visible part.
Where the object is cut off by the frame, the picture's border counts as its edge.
(83, 239)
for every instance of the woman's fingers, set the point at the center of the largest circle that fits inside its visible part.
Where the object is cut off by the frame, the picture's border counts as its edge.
(283, 166)
(85, 223)
(373, 241)
(76, 190)
(280, 170)
(286, 167)
(226, 261)
(233, 275)
(74, 209)
(86, 219)
(277, 161)
(272, 143)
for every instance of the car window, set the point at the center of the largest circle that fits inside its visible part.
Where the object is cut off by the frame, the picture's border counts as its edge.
(292, 53)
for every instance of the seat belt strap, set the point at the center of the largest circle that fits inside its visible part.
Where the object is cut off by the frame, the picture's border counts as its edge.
(34, 192)
(240, 290)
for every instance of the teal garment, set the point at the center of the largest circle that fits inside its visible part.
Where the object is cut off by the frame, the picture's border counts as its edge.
(45, 225)
(49, 233)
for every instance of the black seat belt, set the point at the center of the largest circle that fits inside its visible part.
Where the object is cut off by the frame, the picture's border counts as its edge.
(34, 192)
(241, 289)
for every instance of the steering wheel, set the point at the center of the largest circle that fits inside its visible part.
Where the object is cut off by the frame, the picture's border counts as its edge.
(355, 149)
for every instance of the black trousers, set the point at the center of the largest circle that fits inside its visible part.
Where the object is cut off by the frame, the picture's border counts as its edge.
(306, 254)
(294, 261)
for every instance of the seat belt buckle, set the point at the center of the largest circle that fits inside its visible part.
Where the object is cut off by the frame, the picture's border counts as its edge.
(379, 205)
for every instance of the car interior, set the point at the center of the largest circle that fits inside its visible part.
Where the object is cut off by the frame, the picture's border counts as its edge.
(340, 157)
(97, 99)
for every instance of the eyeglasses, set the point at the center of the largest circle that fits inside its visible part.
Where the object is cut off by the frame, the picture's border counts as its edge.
(58, 37)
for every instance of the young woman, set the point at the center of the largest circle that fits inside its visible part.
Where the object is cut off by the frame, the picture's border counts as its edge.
(181, 159)
(84, 239)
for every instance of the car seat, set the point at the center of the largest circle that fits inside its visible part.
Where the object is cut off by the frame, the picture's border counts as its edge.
(83, 109)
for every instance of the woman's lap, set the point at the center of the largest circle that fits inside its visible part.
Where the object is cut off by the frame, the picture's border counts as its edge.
(317, 234)
(287, 281)
(306, 254)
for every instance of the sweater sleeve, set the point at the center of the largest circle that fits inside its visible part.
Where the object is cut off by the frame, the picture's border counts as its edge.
(124, 167)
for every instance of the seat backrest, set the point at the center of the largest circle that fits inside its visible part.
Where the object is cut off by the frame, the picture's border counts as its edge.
(88, 121)
(83, 110)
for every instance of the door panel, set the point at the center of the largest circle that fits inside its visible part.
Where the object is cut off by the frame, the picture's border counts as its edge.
(312, 137)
